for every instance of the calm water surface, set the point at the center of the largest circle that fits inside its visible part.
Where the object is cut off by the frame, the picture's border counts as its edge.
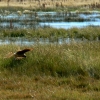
(57, 20)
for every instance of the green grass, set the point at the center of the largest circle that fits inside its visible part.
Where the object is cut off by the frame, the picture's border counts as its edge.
(13, 9)
(67, 8)
(89, 33)
(58, 60)
(52, 72)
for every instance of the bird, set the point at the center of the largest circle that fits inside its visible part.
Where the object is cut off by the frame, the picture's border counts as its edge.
(19, 54)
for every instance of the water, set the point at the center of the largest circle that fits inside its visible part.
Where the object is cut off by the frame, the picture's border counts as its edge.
(23, 41)
(67, 25)
(52, 19)
(42, 19)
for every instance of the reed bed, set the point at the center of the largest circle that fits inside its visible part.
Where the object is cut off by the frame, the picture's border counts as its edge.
(71, 68)
(15, 9)
(57, 60)
(12, 9)
(87, 33)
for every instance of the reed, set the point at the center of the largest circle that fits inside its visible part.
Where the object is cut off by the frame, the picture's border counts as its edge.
(73, 68)
(56, 60)
(87, 33)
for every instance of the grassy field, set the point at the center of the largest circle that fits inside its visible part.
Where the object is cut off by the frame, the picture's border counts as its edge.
(51, 72)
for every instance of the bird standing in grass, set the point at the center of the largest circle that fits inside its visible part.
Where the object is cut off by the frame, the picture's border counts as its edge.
(19, 54)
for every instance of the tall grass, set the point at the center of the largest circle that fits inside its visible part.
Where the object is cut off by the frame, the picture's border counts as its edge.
(73, 68)
(89, 33)
(13, 9)
(56, 60)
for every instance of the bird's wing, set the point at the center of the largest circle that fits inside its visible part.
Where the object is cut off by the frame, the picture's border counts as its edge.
(23, 51)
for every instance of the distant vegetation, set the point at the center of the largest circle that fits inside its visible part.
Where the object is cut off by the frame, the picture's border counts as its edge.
(89, 33)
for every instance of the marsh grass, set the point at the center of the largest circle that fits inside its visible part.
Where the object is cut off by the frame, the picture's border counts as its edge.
(51, 72)
(12, 9)
(59, 60)
(87, 33)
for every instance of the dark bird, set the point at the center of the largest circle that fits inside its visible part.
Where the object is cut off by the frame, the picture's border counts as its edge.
(19, 54)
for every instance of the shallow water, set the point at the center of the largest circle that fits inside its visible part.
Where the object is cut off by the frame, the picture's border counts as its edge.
(67, 25)
(29, 21)
(20, 41)
(53, 19)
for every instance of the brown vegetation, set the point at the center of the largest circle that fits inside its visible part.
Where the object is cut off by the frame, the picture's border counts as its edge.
(50, 3)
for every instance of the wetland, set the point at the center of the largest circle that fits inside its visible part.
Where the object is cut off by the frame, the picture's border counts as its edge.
(60, 26)
(65, 60)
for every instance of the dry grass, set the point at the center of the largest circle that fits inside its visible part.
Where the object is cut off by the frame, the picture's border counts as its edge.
(31, 79)
(50, 3)
(47, 88)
